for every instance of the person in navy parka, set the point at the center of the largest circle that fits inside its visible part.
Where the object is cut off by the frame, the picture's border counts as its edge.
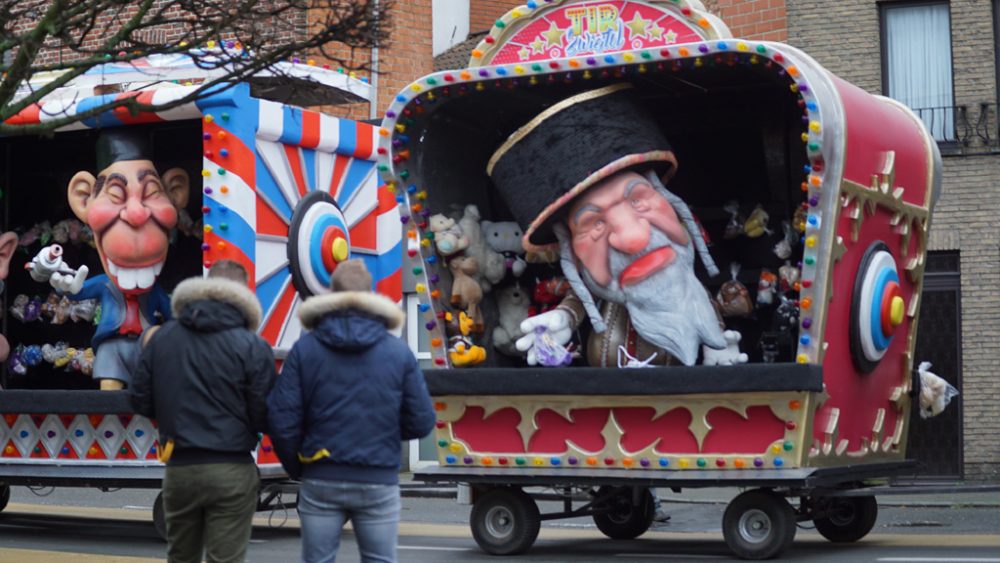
(348, 394)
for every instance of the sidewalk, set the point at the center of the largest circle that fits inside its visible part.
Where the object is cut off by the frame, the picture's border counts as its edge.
(943, 495)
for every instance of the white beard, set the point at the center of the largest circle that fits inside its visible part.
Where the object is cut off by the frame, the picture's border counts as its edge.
(670, 308)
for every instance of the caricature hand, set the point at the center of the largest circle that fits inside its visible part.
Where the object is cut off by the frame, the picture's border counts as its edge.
(557, 325)
(68, 283)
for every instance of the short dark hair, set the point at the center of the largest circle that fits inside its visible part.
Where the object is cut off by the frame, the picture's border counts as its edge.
(229, 270)
(351, 275)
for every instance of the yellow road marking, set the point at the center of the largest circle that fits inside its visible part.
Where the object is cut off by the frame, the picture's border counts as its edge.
(41, 556)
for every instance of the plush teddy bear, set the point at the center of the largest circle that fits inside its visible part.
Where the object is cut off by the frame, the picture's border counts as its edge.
(505, 237)
(491, 264)
(513, 303)
(448, 236)
(728, 356)
(466, 294)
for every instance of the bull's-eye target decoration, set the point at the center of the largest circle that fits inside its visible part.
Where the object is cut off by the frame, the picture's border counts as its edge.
(320, 240)
(877, 307)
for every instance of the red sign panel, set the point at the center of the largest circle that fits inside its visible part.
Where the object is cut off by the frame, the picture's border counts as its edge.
(595, 28)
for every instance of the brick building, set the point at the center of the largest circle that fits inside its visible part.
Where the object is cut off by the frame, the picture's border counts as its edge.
(860, 41)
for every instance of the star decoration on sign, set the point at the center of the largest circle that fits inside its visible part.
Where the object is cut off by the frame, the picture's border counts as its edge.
(670, 37)
(553, 36)
(656, 32)
(538, 46)
(638, 26)
(524, 53)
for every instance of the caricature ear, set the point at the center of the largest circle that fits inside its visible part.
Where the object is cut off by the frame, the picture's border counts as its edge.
(178, 185)
(8, 244)
(81, 189)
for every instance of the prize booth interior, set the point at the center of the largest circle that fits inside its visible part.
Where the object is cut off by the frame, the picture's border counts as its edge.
(736, 129)
(50, 337)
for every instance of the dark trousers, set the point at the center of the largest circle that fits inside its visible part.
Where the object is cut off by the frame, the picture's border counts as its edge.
(209, 509)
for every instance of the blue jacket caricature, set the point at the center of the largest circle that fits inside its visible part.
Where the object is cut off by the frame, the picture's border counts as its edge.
(131, 207)
(153, 307)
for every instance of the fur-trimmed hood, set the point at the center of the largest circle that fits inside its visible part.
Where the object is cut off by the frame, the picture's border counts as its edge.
(222, 290)
(317, 307)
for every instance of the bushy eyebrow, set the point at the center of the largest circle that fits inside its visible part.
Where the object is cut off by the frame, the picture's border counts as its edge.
(586, 207)
(633, 184)
(146, 172)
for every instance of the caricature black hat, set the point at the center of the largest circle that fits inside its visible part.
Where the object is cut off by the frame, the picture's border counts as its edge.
(568, 148)
(115, 145)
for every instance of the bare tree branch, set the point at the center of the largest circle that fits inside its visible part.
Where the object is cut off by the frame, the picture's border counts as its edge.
(48, 45)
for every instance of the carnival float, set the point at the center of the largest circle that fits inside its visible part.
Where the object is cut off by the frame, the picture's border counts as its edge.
(651, 254)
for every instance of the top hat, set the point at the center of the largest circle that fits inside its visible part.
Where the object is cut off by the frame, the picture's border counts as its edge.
(115, 145)
(571, 146)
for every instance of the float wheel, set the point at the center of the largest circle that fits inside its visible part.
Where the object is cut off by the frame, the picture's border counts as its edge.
(625, 520)
(847, 519)
(505, 521)
(160, 517)
(758, 524)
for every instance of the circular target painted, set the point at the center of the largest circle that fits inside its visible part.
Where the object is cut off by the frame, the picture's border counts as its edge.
(877, 307)
(319, 239)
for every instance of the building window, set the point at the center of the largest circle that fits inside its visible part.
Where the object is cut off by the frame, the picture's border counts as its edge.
(916, 62)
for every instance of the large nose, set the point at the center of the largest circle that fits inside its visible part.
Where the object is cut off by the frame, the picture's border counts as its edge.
(135, 213)
(629, 234)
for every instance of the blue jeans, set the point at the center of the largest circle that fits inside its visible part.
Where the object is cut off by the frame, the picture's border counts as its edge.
(324, 507)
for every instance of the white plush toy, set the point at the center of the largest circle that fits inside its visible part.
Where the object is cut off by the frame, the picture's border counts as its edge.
(492, 265)
(513, 303)
(728, 356)
(448, 236)
(935, 392)
(505, 238)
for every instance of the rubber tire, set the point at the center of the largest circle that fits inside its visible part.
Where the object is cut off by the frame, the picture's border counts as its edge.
(160, 517)
(4, 496)
(625, 521)
(768, 508)
(848, 519)
(516, 510)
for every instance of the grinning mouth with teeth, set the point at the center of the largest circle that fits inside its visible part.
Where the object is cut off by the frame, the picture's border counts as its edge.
(135, 278)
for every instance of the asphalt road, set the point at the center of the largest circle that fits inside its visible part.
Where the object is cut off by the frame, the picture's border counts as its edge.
(86, 525)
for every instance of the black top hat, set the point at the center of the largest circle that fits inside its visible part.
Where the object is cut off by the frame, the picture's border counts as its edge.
(568, 148)
(121, 144)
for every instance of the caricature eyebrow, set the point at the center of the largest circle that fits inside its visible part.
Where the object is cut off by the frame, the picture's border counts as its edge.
(146, 172)
(633, 184)
(101, 180)
(586, 207)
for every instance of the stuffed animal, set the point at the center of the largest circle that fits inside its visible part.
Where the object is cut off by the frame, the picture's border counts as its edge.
(448, 236)
(492, 265)
(733, 297)
(935, 392)
(513, 303)
(505, 237)
(466, 294)
(548, 293)
(766, 287)
(728, 356)
(462, 352)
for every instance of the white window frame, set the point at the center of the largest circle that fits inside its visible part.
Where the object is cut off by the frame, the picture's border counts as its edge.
(413, 340)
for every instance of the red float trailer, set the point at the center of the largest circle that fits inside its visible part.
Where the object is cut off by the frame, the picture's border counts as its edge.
(755, 121)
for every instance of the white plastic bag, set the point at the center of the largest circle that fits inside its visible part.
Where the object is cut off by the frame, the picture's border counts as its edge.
(935, 392)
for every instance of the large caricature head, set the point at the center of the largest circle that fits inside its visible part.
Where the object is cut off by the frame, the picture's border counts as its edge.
(131, 208)
(594, 187)
(630, 246)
